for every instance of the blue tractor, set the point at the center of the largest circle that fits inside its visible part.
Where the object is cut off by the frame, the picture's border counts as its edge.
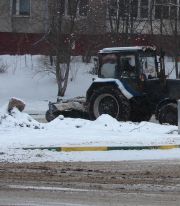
(131, 86)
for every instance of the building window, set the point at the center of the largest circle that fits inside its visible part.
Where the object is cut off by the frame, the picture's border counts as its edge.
(83, 8)
(162, 9)
(72, 7)
(62, 7)
(21, 7)
(112, 7)
(77, 8)
(158, 9)
(173, 9)
(123, 8)
(144, 8)
(166, 9)
(134, 7)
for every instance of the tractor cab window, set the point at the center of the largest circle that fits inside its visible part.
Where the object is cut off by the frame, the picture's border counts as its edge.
(109, 66)
(128, 66)
(148, 66)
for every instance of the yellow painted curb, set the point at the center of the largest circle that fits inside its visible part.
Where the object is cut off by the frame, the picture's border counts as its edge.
(169, 147)
(103, 148)
(79, 149)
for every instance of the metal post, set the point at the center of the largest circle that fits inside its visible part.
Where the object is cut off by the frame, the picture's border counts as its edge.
(178, 116)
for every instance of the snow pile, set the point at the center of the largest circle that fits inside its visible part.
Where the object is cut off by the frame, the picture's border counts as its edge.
(108, 123)
(107, 131)
(17, 119)
(19, 130)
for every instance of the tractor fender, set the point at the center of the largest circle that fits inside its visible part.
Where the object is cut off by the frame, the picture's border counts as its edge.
(162, 103)
(128, 92)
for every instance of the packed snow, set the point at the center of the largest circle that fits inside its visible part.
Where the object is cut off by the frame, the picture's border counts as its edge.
(18, 130)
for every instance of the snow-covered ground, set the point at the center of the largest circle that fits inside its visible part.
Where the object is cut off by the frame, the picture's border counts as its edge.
(24, 80)
(21, 130)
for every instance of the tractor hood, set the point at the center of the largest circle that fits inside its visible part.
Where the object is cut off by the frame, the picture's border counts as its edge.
(121, 85)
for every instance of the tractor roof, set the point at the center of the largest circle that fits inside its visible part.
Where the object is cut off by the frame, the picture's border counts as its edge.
(127, 49)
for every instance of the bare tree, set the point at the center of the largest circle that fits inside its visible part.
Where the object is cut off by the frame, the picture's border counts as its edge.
(174, 25)
(164, 19)
(61, 36)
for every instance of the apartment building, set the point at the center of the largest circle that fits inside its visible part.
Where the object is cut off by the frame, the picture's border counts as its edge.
(154, 22)
(21, 24)
(24, 22)
(99, 23)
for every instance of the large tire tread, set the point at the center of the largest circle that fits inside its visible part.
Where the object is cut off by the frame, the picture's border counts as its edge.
(124, 105)
(168, 114)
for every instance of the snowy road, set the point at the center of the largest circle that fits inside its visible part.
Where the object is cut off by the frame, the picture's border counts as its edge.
(99, 198)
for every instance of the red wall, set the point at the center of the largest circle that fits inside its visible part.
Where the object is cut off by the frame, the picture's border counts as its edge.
(15, 43)
(18, 43)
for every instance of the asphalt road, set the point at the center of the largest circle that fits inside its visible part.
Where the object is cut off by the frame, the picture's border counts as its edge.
(82, 184)
(87, 198)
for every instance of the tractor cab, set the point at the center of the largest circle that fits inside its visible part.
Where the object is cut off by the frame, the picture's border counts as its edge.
(128, 63)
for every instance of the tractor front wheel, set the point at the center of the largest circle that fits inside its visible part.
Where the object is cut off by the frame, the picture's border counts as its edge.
(108, 100)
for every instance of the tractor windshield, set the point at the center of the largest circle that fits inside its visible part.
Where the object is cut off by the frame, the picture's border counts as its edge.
(148, 65)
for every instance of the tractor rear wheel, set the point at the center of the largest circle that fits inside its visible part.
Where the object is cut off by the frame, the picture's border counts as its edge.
(108, 100)
(168, 114)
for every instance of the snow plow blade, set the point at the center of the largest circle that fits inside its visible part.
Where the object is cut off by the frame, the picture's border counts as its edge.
(73, 108)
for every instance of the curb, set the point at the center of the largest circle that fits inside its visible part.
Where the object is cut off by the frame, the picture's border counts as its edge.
(100, 149)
